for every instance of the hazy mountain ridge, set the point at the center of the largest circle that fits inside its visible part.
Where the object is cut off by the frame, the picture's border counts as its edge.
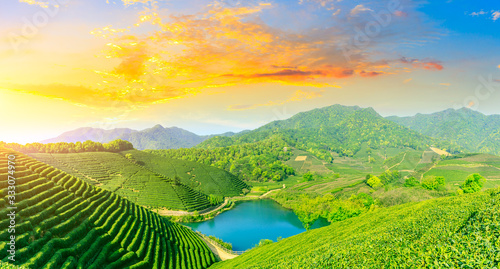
(470, 129)
(156, 137)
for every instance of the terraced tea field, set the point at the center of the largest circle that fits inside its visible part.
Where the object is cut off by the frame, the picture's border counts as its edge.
(65, 222)
(456, 170)
(203, 178)
(148, 180)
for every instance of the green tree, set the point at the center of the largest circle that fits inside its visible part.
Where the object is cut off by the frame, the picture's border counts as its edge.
(308, 176)
(374, 182)
(411, 182)
(473, 183)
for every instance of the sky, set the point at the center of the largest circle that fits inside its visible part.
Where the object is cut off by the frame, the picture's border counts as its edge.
(229, 65)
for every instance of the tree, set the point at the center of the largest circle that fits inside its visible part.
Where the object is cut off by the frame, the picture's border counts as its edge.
(411, 182)
(308, 176)
(473, 183)
(374, 182)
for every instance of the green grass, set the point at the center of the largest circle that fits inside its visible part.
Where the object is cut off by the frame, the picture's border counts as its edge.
(460, 231)
(64, 222)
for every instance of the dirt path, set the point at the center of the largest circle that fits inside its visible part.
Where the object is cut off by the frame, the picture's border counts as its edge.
(269, 192)
(218, 251)
(402, 160)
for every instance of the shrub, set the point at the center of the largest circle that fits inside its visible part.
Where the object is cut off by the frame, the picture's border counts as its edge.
(433, 182)
(374, 182)
(473, 183)
(308, 177)
(411, 182)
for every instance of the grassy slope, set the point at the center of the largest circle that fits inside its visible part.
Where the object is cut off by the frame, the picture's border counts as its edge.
(456, 170)
(454, 231)
(150, 183)
(204, 178)
(64, 222)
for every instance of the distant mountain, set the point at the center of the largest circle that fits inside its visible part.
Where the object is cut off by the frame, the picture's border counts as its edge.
(88, 133)
(342, 129)
(156, 137)
(470, 129)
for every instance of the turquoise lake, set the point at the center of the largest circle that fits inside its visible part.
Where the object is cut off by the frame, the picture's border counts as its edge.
(250, 221)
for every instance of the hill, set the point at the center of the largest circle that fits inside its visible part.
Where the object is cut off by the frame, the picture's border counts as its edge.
(64, 222)
(470, 129)
(460, 231)
(156, 137)
(149, 180)
(336, 128)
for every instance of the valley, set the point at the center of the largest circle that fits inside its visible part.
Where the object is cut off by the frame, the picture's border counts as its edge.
(340, 182)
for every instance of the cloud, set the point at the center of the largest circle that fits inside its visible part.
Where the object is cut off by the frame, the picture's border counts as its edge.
(423, 64)
(407, 80)
(445, 84)
(359, 9)
(104, 98)
(155, 54)
(36, 3)
(482, 12)
(495, 15)
(299, 95)
(370, 74)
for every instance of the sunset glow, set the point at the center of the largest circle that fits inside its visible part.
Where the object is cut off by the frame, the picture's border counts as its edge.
(200, 65)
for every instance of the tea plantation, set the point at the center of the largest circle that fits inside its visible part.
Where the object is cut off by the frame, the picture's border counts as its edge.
(149, 180)
(454, 232)
(65, 222)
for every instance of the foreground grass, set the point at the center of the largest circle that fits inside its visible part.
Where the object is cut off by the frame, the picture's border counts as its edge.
(461, 231)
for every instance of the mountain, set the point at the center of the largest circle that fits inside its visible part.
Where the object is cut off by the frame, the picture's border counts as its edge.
(470, 129)
(156, 137)
(88, 133)
(341, 129)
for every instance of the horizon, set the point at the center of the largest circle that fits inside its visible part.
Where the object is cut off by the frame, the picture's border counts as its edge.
(236, 131)
(210, 67)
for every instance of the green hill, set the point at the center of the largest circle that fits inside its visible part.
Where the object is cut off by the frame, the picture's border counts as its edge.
(336, 129)
(149, 180)
(470, 129)
(452, 232)
(64, 222)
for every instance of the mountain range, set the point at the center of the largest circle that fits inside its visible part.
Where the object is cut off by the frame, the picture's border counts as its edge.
(156, 137)
(472, 130)
(334, 128)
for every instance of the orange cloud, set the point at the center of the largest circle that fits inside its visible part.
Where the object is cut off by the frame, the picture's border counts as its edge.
(299, 95)
(161, 56)
(429, 65)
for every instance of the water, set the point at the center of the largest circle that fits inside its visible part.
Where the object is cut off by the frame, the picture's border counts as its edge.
(250, 221)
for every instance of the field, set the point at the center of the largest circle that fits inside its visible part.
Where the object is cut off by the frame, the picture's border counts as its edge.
(450, 232)
(456, 170)
(148, 179)
(203, 178)
(65, 222)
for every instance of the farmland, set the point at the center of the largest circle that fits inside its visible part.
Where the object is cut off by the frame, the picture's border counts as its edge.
(149, 180)
(65, 222)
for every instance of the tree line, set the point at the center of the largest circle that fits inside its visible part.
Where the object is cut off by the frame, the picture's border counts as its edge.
(64, 147)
